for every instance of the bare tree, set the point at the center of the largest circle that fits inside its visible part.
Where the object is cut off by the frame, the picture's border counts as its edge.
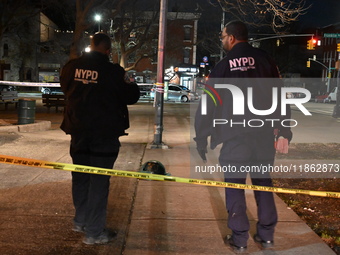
(82, 10)
(19, 23)
(125, 21)
(133, 31)
(15, 13)
(276, 13)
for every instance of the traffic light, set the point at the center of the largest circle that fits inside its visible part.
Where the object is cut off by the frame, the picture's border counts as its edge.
(338, 47)
(311, 44)
(308, 63)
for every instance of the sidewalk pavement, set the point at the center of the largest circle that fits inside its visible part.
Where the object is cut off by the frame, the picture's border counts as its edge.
(150, 217)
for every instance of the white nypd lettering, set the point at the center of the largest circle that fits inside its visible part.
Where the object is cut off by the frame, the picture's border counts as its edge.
(242, 64)
(86, 76)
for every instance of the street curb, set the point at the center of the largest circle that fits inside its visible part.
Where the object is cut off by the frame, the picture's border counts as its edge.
(39, 125)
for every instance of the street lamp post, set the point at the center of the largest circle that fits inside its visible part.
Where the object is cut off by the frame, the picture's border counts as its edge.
(222, 27)
(336, 110)
(159, 95)
(327, 68)
(98, 19)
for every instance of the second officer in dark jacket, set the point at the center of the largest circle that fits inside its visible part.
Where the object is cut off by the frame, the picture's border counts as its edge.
(246, 142)
(96, 115)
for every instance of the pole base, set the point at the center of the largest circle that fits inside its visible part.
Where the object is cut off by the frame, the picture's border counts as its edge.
(336, 111)
(153, 145)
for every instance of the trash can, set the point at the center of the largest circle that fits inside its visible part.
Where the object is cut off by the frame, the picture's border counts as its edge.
(26, 111)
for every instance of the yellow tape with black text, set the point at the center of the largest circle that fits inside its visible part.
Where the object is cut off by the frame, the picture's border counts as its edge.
(141, 175)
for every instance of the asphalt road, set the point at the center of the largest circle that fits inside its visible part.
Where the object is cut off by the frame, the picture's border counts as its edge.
(319, 127)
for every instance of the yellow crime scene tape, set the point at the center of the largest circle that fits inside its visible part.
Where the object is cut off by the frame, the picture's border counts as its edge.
(148, 176)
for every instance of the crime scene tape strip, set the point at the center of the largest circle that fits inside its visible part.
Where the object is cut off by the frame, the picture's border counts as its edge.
(140, 175)
(30, 84)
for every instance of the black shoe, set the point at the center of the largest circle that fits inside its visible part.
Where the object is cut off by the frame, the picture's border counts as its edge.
(264, 244)
(78, 228)
(105, 237)
(228, 240)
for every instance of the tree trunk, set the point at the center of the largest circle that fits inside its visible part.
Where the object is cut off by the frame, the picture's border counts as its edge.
(81, 25)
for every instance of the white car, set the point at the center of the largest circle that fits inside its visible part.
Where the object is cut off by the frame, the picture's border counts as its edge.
(51, 90)
(145, 89)
(176, 93)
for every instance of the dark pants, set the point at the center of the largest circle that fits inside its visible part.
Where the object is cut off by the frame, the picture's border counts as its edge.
(242, 151)
(90, 191)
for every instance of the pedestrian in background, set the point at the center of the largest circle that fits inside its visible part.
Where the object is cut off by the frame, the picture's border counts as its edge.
(95, 116)
(244, 145)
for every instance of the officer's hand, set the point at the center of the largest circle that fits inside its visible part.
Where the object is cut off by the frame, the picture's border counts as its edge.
(282, 145)
(201, 146)
(202, 152)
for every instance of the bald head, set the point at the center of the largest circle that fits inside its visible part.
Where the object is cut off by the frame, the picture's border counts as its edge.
(101, 42)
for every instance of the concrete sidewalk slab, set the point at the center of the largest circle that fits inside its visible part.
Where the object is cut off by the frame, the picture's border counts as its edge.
(9, 125)
(36, 207)
(174, 218)
(150, 217)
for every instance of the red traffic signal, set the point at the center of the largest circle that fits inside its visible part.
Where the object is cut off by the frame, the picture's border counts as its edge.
(312, 43)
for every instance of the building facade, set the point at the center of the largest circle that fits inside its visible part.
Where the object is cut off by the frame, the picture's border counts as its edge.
(331, 52)
(180, 49)
(32, 53)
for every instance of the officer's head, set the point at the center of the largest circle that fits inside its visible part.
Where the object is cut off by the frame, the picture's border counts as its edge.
(233, 33)
(101, 42)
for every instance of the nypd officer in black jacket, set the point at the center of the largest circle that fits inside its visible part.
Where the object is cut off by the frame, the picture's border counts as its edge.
(96, 115)
(243, 144)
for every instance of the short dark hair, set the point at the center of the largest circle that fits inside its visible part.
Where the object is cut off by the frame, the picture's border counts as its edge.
(102, 38)
(238, 29)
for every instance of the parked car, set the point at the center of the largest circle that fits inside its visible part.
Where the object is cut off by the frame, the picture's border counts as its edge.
(175, 93)
(321, 98)
(145, 89)
(332, 96)
(7, 88)
(193, 95)
(51, 90)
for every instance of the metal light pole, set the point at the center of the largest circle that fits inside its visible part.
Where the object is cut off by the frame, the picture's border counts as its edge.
(222, 27)
(336, 110)
(159, 95)
(98, 19)
(327, 68)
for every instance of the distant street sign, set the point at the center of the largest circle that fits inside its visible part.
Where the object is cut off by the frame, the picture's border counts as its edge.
(205, 59)
(331, 35)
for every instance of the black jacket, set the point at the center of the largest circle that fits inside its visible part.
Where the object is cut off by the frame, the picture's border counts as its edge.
(244, 67)
(96, 96)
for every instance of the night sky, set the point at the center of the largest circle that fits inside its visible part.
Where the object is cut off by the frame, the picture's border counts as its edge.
(321, 13)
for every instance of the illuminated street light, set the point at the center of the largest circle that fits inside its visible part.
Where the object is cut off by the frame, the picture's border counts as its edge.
(98, 19)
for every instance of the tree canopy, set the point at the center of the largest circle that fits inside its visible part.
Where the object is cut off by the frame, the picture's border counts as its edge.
(275, 13)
